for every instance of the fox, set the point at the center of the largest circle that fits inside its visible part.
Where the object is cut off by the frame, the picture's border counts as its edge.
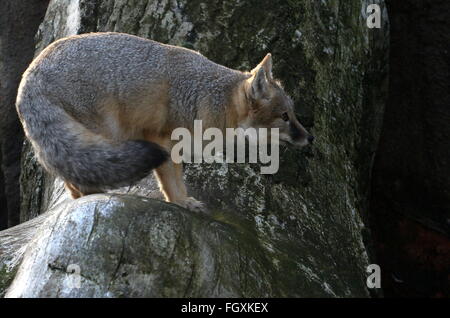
(99, 109)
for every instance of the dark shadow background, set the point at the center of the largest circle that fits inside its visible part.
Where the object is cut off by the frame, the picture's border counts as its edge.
(410, 201)
(19, 22)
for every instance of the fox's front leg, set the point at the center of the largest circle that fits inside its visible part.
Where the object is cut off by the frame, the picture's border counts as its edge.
(170, 178)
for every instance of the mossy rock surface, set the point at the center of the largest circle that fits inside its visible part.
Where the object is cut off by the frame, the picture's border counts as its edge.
(129, 246)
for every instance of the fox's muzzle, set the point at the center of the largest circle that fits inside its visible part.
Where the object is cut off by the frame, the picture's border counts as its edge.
(299, 135)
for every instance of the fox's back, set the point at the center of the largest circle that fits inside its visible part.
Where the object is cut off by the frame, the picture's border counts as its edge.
(99, 63)
(85, 70)
(108, 58)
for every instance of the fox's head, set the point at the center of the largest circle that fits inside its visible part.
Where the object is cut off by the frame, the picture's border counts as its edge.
(268, 106)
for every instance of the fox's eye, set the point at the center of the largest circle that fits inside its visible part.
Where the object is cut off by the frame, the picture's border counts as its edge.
(285, 116)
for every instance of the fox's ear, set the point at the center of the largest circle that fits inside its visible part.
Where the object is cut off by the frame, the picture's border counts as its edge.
(266, 64)
(259, 86)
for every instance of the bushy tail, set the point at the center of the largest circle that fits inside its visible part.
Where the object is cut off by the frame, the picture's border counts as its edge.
(107, 165)
(88, 161)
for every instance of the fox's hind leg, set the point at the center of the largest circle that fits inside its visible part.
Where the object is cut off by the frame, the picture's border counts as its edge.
(76, 192)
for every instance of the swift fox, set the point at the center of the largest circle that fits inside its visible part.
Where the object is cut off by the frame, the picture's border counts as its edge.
(99, 109)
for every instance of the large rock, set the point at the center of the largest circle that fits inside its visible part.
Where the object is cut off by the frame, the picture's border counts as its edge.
(13, 243)
(136, 247)
(306, 220)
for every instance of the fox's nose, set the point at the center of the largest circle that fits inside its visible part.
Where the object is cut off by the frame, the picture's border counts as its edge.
(311, 139)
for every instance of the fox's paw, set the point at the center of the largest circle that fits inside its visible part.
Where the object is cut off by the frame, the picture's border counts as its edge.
(192, 204)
